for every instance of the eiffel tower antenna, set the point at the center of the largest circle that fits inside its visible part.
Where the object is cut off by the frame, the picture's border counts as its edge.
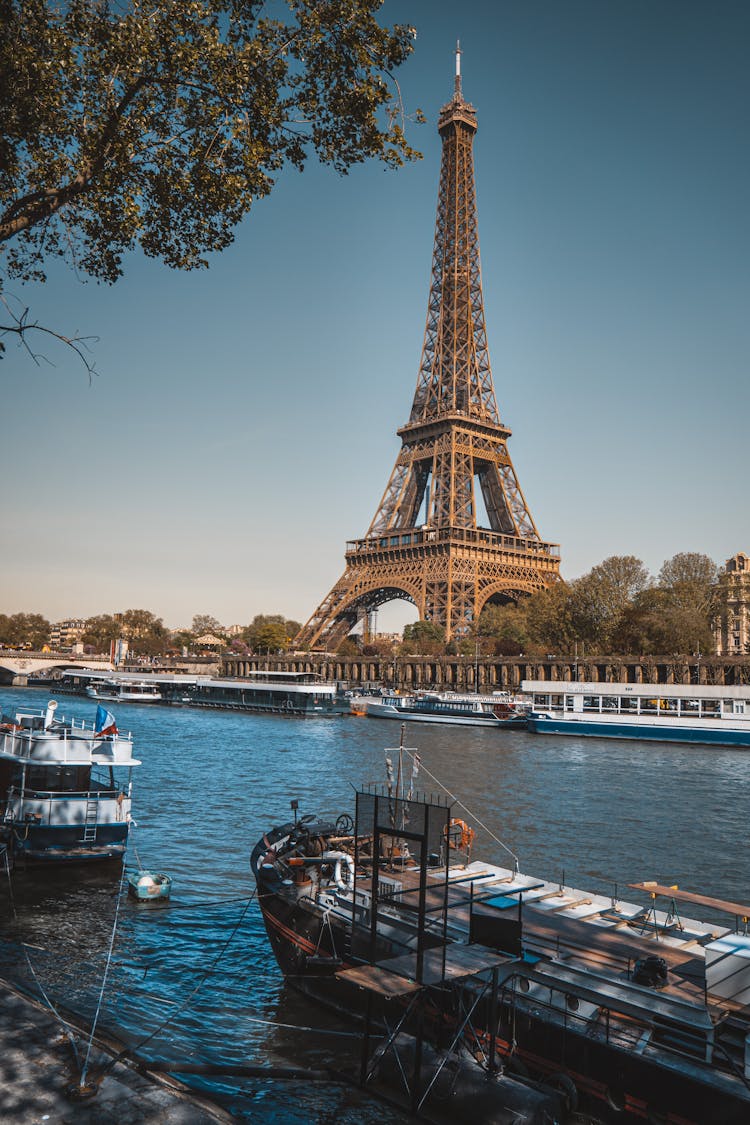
(426, 543)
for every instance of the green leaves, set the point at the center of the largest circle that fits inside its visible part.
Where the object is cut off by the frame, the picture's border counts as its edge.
(159, 123)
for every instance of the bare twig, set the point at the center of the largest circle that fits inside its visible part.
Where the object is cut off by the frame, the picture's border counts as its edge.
(22, 327)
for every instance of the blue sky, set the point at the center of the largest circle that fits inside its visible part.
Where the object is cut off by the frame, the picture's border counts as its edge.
(243, 422)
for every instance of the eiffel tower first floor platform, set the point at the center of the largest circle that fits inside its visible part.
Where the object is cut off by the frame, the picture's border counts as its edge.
(449, 574)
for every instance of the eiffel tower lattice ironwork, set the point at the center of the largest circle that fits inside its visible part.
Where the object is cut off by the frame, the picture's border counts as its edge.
(425, 543)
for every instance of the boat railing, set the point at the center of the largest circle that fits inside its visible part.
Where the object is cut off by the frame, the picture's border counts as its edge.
(63, 744)
(39, 806)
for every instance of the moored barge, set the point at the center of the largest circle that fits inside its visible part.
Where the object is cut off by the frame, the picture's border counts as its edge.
(633, 1011)
(65, 787)
(300, 694)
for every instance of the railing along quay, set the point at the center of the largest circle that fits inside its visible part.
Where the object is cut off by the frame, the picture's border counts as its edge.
(466, 673)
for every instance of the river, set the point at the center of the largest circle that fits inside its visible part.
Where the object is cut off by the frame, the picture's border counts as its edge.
(194, 980)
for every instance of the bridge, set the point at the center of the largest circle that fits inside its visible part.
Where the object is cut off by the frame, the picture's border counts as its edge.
(16, 667)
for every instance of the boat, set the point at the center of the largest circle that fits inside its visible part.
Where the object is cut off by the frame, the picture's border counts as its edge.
(149, 886)
(124, 691)
(706, 714)
(65, 787)
(628, 1009)
(497, 710)
(300, 694)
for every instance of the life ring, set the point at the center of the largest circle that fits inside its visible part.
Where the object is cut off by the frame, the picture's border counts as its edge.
(565, 1086)
(343, 881)
(459, 835)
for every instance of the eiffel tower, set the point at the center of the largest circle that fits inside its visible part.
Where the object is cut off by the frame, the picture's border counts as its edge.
(425, 543)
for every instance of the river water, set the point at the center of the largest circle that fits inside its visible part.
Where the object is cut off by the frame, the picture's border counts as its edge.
(194, 980)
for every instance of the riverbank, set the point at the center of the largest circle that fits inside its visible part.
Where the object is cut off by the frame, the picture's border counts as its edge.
(37, 1069)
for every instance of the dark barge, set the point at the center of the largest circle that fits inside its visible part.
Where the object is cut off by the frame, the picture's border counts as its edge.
(630, 1012)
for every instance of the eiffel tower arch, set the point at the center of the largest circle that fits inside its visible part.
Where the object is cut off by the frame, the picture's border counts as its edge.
(426, 543)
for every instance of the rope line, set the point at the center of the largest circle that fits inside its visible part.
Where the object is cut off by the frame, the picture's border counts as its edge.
(466, 809)
(66, 1027)
(84, 1069)
(190, 995)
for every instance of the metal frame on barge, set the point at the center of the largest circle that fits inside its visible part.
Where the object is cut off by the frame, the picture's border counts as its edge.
(629, 1011)
(705, 714)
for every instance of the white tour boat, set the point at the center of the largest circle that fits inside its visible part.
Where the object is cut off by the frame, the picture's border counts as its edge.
(497, 710)
(708, 714)
(124, 691)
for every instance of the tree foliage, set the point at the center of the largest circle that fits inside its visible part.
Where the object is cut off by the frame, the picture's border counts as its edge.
(423, 638)
(599, 598)
(100, 631)
(616, 608)
(145, 633)
(24, 629)
(205, 623)
(507, 625)
(270, 632)
(159, 122)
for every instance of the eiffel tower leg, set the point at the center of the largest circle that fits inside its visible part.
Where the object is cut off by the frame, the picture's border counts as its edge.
(362, 587)
(332, 621)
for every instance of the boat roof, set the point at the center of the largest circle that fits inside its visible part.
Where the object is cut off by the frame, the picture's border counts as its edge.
(649, 691)
(299, 681)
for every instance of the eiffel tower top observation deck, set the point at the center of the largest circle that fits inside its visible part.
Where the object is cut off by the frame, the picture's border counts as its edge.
(425, 542)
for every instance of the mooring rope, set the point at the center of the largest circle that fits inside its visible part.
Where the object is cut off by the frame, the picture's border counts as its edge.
(190, 995)
(84, 1068)
(466, 809)
(66, 1027)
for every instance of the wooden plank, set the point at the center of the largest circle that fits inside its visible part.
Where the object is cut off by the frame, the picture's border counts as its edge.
(654, 888)
(460, 961)
(379, 980)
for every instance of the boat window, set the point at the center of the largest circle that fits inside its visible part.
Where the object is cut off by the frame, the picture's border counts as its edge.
(628, 703)
(690, 706)
(541, 700)
(710, 707)
(649, 705)
(69, 779)
(569, 703)
(609, 703)
(556, 701)
(592, 702)
(669, 705)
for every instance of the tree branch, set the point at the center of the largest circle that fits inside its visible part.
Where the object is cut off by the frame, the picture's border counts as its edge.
(38, 205)
(22, 326)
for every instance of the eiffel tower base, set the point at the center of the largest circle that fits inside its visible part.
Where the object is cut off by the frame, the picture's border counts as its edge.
(448, 579)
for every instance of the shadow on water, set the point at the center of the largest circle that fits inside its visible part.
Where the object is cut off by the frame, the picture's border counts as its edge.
(195, 979)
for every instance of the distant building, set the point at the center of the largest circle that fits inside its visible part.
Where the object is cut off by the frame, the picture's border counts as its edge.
(732, 624)
(209, 640)
(234, 630)
(64, 635)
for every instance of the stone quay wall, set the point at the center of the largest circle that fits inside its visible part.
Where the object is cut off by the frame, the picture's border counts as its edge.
(457, 673)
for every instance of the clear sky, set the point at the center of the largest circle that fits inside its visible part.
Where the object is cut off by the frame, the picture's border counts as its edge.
(243, 422)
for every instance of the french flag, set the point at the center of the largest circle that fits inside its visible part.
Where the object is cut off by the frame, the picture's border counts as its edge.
(104, 723)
